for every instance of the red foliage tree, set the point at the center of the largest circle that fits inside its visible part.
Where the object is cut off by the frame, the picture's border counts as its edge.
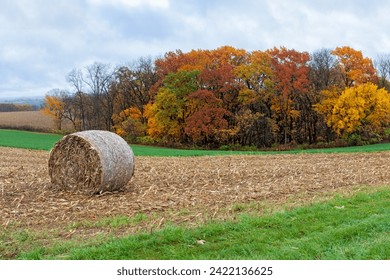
(291, 84)
(208, 118)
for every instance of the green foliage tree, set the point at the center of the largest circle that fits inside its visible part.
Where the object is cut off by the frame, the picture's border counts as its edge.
(168, 113)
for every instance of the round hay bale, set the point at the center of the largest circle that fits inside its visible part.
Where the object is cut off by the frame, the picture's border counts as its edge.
(91, 162)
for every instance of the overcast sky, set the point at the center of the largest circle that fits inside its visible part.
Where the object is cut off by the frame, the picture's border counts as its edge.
(41, 41)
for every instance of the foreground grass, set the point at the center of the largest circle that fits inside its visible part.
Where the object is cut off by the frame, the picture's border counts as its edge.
(45, 141)
(357, 227)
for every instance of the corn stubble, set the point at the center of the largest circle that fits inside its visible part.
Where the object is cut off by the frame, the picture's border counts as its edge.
(180, 189)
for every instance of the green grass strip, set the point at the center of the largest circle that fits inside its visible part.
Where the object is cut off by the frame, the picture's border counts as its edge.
(45, 141)
(341, 229)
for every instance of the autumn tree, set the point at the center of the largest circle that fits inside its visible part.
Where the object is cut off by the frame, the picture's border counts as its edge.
(129, 123)
(215, 70)
(170, 63)
(54, 107)
(291, 103)
(254, 119)
(167, 115)
(324, 107)
(173, 62)
(207, 121)
(351, 70)
(132, 88)
(362, 109)
(354, 68)
(218, 75)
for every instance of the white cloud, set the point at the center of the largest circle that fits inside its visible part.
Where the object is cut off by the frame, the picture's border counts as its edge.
(157, 4)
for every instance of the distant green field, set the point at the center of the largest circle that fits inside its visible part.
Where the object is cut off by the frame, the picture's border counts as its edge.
(27, 140)
(45, 141)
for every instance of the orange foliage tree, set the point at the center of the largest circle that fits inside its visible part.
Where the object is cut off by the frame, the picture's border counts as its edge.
(354, 68)
(54, 107)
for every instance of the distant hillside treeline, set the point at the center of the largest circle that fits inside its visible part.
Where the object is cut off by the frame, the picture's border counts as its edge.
(10, 107)
(229, 96)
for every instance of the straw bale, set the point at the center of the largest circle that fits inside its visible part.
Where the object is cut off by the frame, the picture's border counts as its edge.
(91, 162)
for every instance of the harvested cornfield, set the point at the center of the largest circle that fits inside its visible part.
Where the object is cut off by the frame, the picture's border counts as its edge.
(30, 120)
(91, 162)
(180, 189)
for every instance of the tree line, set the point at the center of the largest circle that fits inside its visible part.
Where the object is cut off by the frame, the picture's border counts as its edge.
(11, 107)
(230, 96)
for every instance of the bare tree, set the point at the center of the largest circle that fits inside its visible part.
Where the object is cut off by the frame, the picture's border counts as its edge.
(133, 84)
(75, 78)
(324, 74)
(382, 65)
(92, 97)
(71, 109)
(323, 69)
(98, 79)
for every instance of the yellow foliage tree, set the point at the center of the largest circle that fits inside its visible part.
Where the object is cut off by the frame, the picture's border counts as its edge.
(256, 76)
(129, 122)
(363, 108)
(54, 107)
(163, 116)
(329, 99)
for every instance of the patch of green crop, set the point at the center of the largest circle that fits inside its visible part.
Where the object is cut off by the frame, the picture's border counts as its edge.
(28, 140)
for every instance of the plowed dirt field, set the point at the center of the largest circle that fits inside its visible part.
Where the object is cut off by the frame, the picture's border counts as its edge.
(181, 189)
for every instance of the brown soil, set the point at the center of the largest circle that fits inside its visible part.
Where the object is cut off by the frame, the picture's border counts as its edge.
(180, 189)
